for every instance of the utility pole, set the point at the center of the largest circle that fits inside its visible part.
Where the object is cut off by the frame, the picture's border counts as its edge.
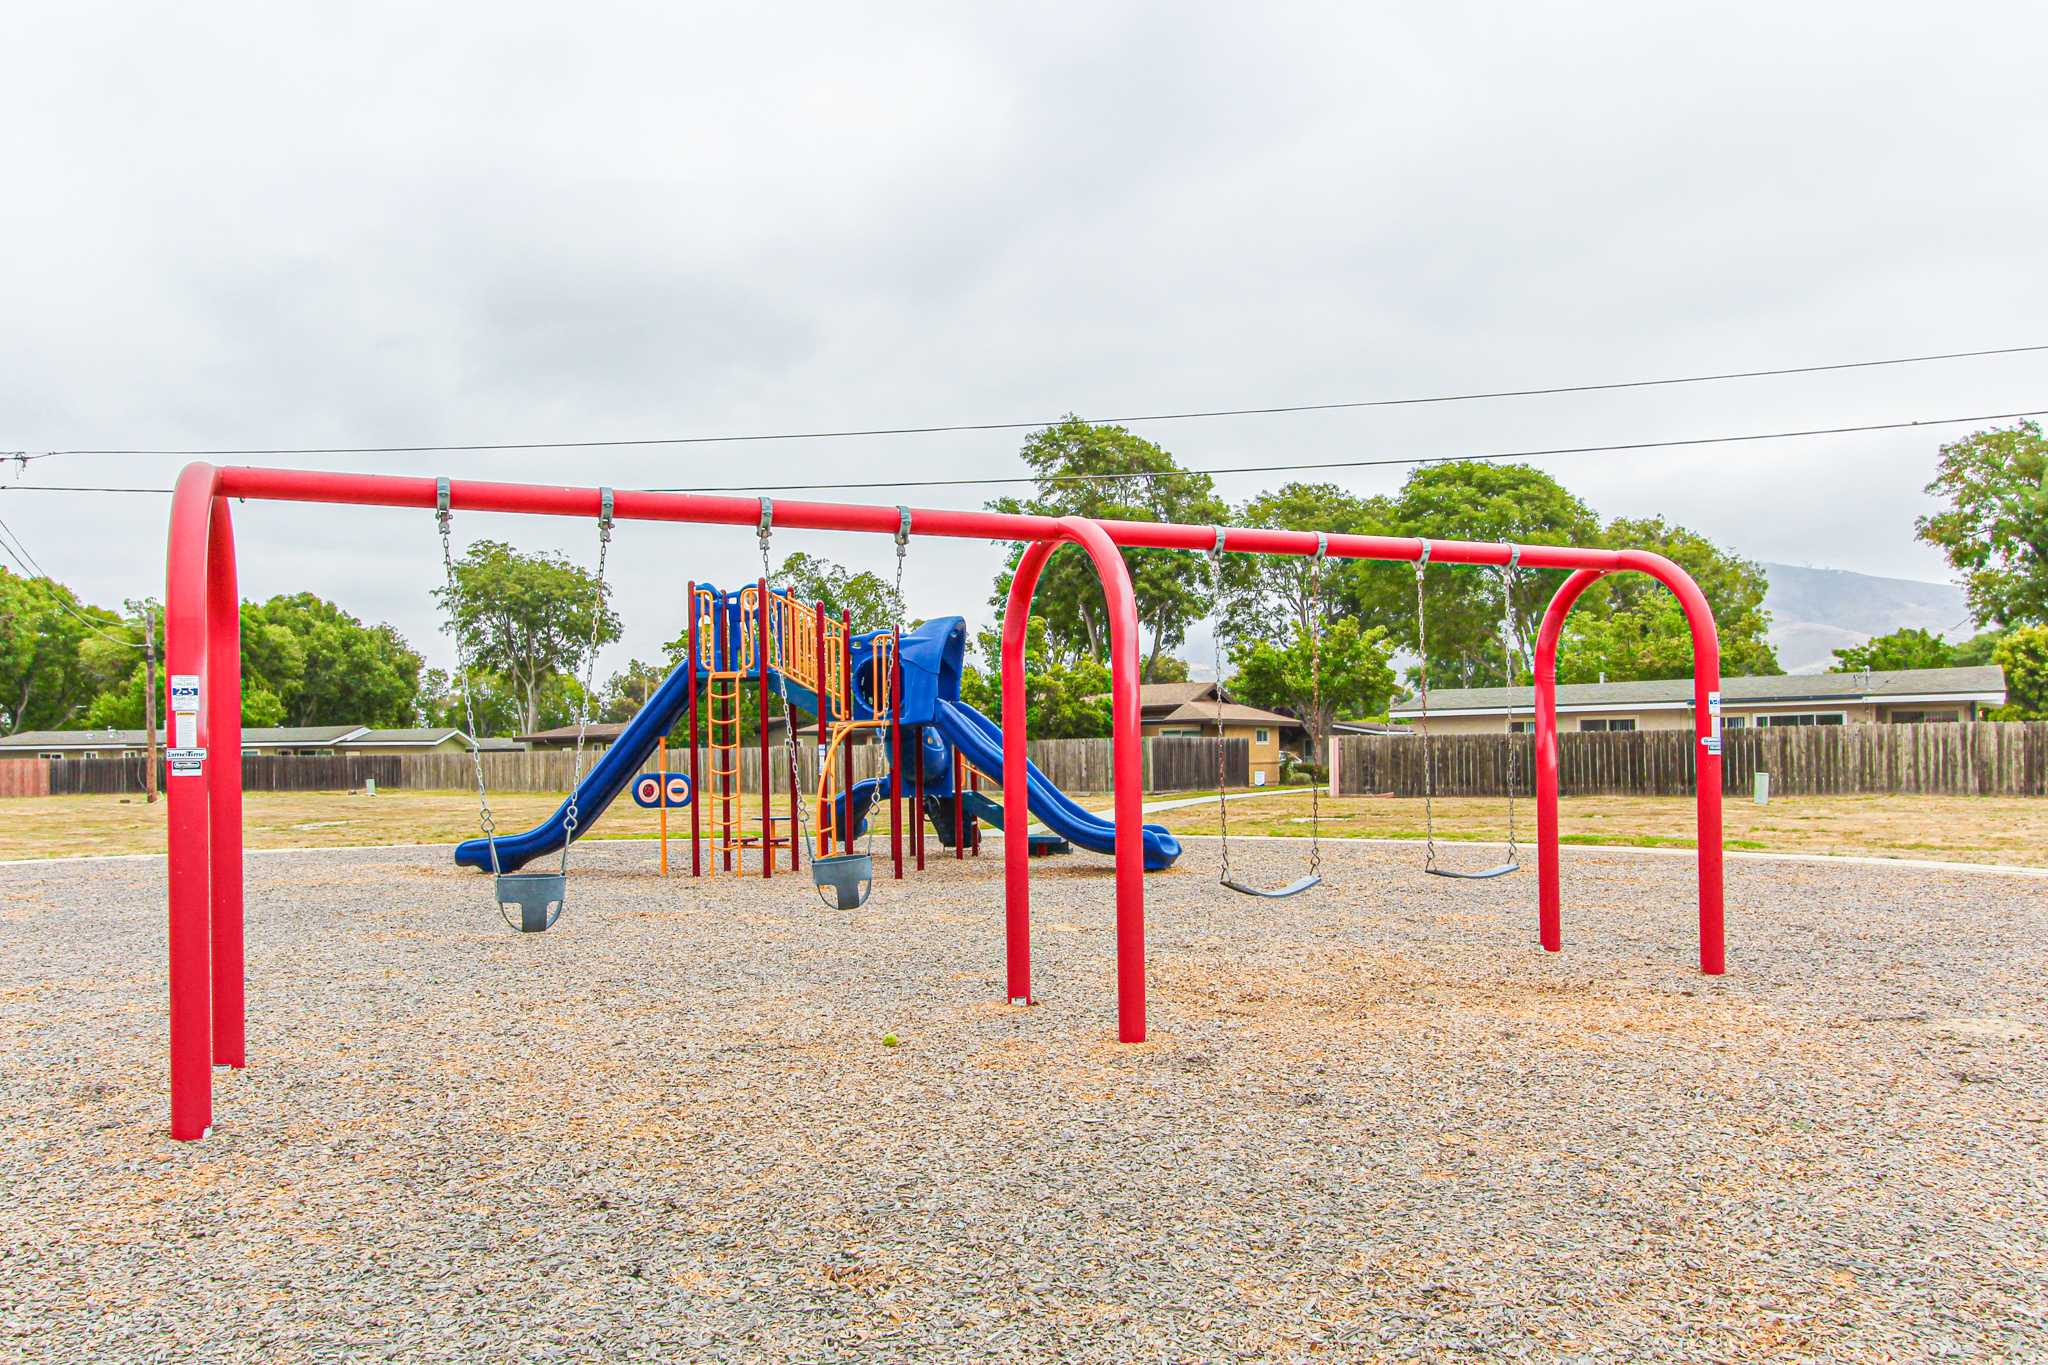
(149, 697)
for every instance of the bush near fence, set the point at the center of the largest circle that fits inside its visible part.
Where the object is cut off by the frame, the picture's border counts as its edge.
(1981, 758)
(1172, 763)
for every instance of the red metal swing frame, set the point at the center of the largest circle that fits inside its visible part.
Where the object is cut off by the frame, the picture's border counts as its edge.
(203, 641)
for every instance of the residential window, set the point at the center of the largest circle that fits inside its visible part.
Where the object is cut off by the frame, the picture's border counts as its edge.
(1521, 727)
(1265, 736)
(1805, 718)
(1734, 722)
(1609, 725)
(90, 753)
(1921, 717)
(50, 754)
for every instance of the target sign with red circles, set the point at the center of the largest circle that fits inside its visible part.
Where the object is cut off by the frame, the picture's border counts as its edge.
(647, 790)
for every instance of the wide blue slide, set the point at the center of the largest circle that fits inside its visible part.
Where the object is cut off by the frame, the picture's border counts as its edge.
(981, 740)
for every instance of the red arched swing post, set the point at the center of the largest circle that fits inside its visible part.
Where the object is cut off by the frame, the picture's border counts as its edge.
(203, 684)
(1706, 703)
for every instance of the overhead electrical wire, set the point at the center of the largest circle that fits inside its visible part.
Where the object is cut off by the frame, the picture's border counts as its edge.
(17, 550)
(1304, 467)
(24, 457)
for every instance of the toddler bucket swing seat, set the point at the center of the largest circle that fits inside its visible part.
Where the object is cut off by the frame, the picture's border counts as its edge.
(529, 902)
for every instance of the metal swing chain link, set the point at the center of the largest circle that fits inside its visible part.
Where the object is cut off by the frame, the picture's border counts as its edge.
(1428, 781)
(1222, 789)
(486, 821)
(604, 543)
(1511, 644)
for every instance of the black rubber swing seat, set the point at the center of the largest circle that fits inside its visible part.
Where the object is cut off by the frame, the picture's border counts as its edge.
(1294, 888)
(1477, 875)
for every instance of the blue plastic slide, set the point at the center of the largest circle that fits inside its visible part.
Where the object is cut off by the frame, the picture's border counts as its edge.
(609, 776)
(981, 739)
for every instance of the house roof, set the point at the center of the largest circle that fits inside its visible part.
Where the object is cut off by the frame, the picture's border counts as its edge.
(595, 730)
(1204, 713)
(423, 737)
(1986, 683)
(1151, 695)
(257, 736)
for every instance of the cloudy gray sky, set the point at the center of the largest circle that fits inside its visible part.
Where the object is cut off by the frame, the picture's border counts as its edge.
(264, 225)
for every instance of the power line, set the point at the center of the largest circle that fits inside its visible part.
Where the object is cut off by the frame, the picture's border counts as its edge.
(12, 543)
(1612, 448)
(21, 457)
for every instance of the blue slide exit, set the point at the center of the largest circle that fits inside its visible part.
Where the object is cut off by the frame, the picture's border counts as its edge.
(981, 740)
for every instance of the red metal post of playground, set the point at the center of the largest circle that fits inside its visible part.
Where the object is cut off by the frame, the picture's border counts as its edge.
(1126, 767)
(696, 795)
(761, 729)
(203, 649)
(824, 715)
(1706, 649)
(974, 784)
(896, 752)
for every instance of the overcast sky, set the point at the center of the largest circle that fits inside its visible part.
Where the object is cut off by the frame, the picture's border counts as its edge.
(262, 225)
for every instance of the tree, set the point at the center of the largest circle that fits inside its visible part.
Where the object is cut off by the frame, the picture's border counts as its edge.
(1105, 472)
(342, 672)
(1629, 627)
(1474, 500)
(47, 677)
(1356, 677)
(2023, 654)
(526, 617)
(814, 578)
(627, 690)
(1908, 647)
(1995, 528)
(1063, 699)
(1267, 597)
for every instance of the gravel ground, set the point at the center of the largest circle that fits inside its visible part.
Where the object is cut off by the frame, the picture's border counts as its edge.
(1374, 1122)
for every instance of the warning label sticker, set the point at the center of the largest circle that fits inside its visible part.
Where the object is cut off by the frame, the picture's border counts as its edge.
(184, 693)
(186, 762)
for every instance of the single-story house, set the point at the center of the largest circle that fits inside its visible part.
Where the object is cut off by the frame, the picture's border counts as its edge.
(596, 735)
(1189, 708)
(1898, 697)
(257, 740)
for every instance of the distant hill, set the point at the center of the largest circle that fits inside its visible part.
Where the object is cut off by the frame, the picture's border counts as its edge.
(1817, 611)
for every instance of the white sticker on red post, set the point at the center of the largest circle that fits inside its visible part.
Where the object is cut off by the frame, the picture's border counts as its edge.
(184, 694)
(186, 762)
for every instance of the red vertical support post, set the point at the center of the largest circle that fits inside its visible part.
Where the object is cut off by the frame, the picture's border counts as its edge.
(761, 711)
(1016, 790)
(721, 659)
(224, 791)
(959, 805)
(896, 752)
(1127, 767)
(1549, 897)
(696, 796)
(974, 825)
(186, 653)
(824, 807)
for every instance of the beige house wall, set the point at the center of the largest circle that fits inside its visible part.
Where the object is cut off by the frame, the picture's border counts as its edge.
(1265, 758)
(1678, 718)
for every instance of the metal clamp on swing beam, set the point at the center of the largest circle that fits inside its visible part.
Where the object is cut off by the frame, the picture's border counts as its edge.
(902, 528)
(604, 511)
(441, 501)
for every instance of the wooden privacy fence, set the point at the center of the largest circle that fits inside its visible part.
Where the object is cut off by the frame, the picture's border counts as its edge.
(1172, 763)
(1981, 758)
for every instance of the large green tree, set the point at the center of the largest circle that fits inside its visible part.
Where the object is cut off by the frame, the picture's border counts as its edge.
(1270, 597)
(348, 673)
(1475, 500)
(2023, 653)
(1907, 647)
(1064, 698)
(871, 598)
(526, 617)
(1088, 470)
(1629, 627)
(1346, 665)
(1994, 528)
(48, 674)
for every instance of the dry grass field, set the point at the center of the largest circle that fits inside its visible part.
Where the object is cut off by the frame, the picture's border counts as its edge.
(1960, 829)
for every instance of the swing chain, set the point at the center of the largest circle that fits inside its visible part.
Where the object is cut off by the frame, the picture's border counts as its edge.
(1511, 628)
(485, 820)
(1428, 778)
(604, 543)
(763, 533)
(1222, 785)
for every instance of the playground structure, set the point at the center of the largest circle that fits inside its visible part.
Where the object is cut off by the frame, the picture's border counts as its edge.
(203, 682)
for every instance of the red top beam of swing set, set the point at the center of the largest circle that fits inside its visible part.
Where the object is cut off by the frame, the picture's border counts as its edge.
(203, 641)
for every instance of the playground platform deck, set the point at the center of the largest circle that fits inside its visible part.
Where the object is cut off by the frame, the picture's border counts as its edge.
(1373, 1122)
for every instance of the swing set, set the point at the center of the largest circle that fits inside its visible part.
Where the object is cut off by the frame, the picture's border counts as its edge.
(203, 691)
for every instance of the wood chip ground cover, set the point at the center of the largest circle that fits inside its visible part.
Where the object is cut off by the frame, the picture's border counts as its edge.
(1373, 1123)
